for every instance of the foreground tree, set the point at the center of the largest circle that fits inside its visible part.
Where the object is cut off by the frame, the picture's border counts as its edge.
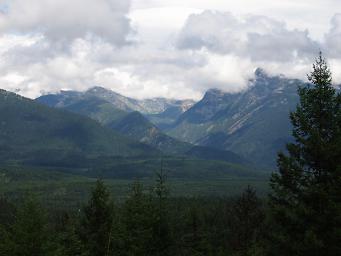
(306, 198)
(137, 222)
(28, 234)
(97, 222)
(161, 229)
(194, 241)
(67, 240)
(246, 223)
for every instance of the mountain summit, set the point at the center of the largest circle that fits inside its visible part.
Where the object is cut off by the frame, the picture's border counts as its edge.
(253, 123)
(145, 106)
(115, 111)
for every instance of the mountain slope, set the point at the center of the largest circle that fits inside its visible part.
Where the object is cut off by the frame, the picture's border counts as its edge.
(132, 124)
(136, 126)
(171, 111)
(34, 133)
(253, 123)
(160, 111)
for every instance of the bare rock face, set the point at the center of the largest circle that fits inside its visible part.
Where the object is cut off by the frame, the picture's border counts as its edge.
(253, 123)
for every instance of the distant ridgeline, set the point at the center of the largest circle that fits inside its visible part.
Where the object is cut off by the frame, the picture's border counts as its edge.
(126, 145)
(121, 114)
(253, 124)
(102, 132)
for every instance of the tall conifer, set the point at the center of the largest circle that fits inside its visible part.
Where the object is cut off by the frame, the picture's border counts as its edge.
(306, 196)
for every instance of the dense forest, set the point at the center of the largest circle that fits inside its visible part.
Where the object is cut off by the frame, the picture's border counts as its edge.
(300, 216)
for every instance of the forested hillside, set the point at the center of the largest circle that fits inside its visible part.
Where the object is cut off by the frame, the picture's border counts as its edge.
(35, 134)
(116, 112)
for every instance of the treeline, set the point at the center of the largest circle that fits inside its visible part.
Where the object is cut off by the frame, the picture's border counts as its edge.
(301, 216)
(148, 222)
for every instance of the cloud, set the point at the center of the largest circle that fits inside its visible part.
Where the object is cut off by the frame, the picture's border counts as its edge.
(66, 20)
(255, 37)
(212, 30)
(313, 15)
(333, 37)
(41, 53)
(243, 43)
(33, 69)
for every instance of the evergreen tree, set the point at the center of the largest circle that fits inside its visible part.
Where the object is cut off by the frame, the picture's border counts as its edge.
(246, 223)
(306, 197)
(28, 234)
(137, 221)
(194, 241)
(161, 229)
(97, 222)
(7, 212)
(67, 239)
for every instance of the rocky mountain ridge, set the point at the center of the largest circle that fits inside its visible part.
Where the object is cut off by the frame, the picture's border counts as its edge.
(114, 111)
(145, 106)
(254, 122)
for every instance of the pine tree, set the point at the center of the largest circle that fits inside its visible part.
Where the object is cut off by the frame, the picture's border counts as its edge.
(161, 229)
(28, 234)
(246, 223)
(97, 222)
(67, 239)
(194, 240)
(306, 197)
(138, 222)
(7, 212)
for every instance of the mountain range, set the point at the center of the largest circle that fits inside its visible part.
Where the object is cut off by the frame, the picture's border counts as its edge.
(100, 131)
(151, 106)
(33, 135)
(119, 113)
(252, 124)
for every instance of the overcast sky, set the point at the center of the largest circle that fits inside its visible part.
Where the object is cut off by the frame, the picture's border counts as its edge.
(168, 48)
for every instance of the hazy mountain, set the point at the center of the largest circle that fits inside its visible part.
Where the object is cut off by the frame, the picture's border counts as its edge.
(36, 134)
(111, 110)
(94, 104)
(253, 123)
(172, 110)
(138, 127)
(161, 111)
(152, 106)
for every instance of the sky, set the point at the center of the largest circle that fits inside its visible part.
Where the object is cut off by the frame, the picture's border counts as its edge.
(169, 48)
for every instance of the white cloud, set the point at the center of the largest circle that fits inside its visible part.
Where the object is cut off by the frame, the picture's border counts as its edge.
(333, 37)
(257, 37)
(66, 20)
(40, 52)
(313, 15)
